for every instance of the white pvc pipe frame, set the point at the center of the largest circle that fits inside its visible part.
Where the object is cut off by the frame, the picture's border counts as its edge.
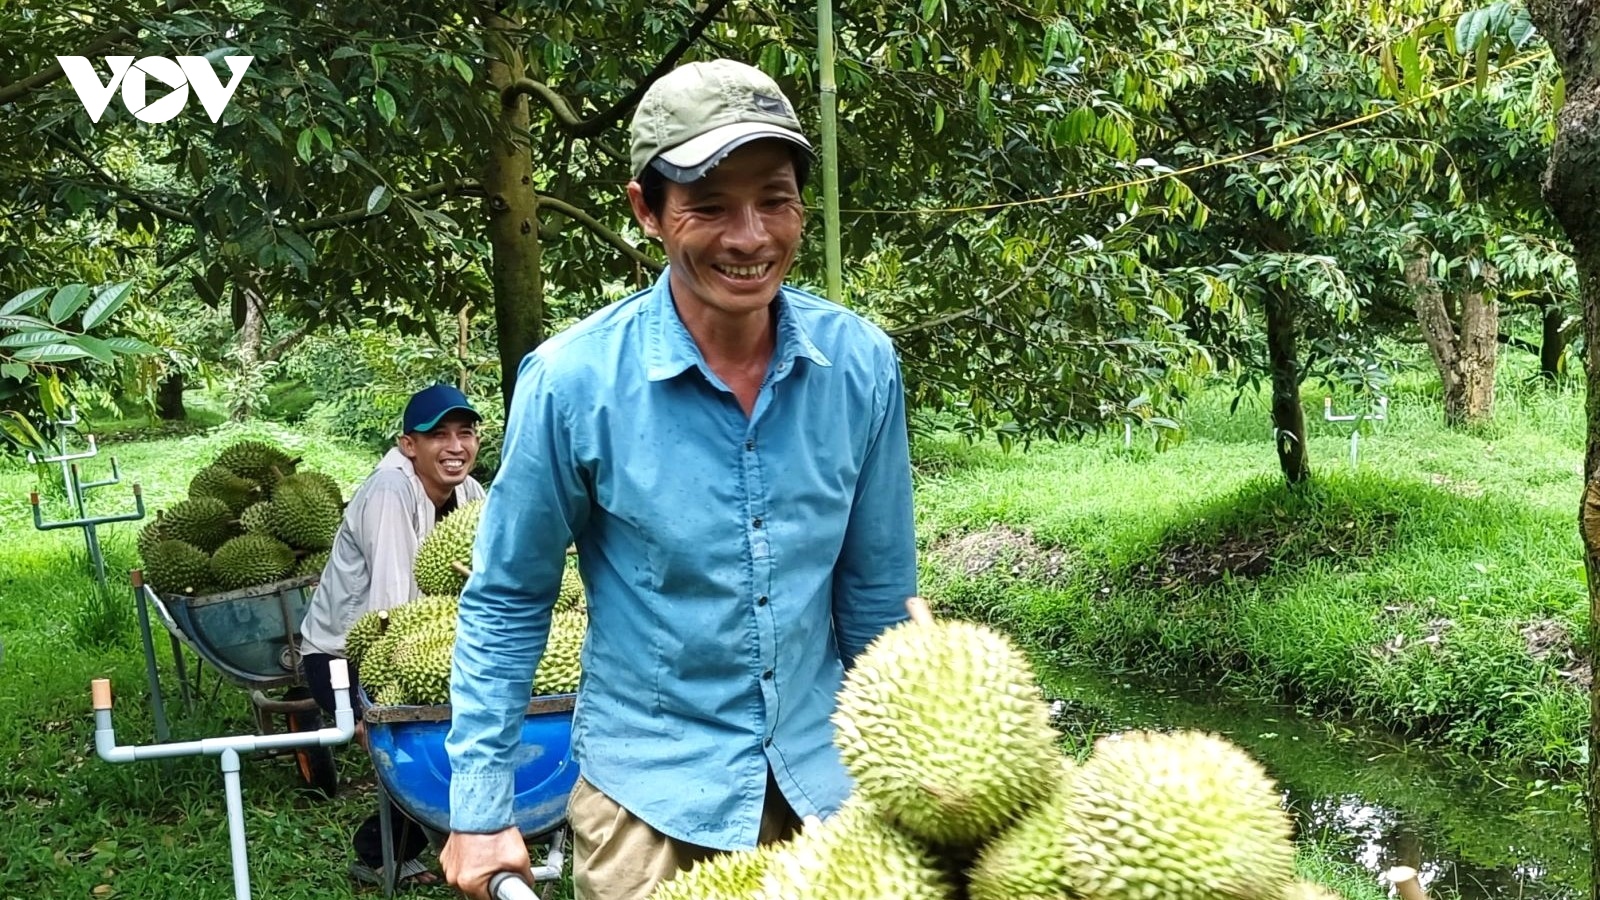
(228, 749)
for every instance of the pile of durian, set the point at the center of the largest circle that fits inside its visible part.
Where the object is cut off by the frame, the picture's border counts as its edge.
(252, 517)
(402, 656)
(962, 791)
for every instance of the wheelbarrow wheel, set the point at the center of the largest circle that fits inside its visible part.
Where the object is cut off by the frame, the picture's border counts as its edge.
(316, 764)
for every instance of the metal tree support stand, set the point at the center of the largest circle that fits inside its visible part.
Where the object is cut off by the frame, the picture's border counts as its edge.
(76, 488)
(1355, 432)
(229, 750)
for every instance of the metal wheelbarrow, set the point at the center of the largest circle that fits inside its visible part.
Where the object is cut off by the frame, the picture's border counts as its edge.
(251, 637)
(413, 772)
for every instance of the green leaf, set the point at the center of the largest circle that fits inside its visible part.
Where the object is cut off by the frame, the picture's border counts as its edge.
(31, 338)
(1483, 67)
(1471, 29)
(67, 301)
(302, 146)
(24, 301)
(1521, 29)
(106, 303)
(462, 68)
(94, 347)
(51, 353)
(24, 323)
(1411, 66)
(323, 138)
(15, 371)
(129, 345)
(378, 200)
(385, 103)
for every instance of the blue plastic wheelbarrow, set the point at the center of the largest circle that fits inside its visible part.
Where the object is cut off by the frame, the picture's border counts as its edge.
(413, 772)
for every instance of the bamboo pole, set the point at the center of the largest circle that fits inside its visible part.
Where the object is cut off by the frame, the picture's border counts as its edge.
(830, 151)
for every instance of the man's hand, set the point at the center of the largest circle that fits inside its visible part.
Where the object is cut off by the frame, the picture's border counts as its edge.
(470, 860)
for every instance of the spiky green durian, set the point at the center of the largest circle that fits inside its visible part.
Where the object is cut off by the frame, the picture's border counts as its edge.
(177, 567)
(1181, 816)
(363, 633)
(1026, 861)
(205, 522)
(561, 666)
(150, 535)
(302, 515)
(312, 564)
(259, 461)
(421, 663)
(313, 479)
(256, 518)
(221, 483)
(251, 559)
(854, 855)
(385, 630)
(734, 875)
(390, 695)
(944, 730)
(571, 596)
(449, 542)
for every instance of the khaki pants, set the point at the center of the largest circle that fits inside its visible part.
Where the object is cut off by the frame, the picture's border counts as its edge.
(615, 856)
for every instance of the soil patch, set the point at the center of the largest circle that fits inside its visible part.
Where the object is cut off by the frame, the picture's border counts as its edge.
(1003, 550)
(1549, 641)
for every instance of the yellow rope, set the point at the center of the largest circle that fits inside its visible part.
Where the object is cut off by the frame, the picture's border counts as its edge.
(1288, 142)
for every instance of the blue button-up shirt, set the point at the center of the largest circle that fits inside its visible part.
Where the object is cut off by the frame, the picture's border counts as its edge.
(734, 565)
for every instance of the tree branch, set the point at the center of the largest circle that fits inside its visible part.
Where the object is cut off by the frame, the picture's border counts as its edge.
(947, 318)
(592, 127)
(455, 188)
(16, 90)
(287, 342)
(611, 237)
(122, 190)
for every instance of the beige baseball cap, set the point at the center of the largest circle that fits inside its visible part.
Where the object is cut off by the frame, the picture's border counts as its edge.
(698, 113)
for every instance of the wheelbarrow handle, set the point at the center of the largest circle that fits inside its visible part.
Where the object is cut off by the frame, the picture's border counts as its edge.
(506, 886)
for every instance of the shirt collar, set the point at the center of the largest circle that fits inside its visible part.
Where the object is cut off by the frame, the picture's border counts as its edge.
(670, 350)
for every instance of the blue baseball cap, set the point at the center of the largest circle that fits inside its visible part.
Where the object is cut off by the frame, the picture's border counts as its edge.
(433, 403)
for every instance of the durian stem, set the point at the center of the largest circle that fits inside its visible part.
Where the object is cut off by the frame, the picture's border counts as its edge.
(918, 608)
(1405, 880)
(460, 568)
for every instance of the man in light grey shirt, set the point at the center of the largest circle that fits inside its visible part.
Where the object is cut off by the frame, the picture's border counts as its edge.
(422, 479)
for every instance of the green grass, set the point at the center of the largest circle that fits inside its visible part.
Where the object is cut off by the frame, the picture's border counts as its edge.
(1399, 591)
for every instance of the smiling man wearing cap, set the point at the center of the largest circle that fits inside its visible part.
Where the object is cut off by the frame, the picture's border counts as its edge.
(729, 455)
(422, 479)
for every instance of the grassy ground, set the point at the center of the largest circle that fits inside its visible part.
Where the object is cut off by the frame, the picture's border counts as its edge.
(1433, 547)
(1436, 589)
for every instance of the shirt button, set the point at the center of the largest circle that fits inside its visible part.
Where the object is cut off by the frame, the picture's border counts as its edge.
(767, 742)
(762, 600)
(749, 445)
(756, 522)
(767, 674)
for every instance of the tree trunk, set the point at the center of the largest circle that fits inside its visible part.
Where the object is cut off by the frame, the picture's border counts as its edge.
(513, 212)
(1552, 344)
(169, 397)
(1465, 358)
(253, 306)
(1288, 416)
(1572, 190)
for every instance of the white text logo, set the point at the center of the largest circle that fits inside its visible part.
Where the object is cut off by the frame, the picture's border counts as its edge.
(188, 72)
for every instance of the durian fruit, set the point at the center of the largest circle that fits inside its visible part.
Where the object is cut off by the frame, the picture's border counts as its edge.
(390, 695)
(363, 633)
(854, 855)
(303, 515)
(312, 564)
(1181, 816)
(375, 638)
(943, 727)
(1026, 861)
(421, 660)
(571, 597)
(256, 518)
(205, 522)
(150, 535)
(219, 482)
(251, 559)
(258, 461)
(319, 480)
(177, 567)
(734, 875)
(560, 668)
(449, 542)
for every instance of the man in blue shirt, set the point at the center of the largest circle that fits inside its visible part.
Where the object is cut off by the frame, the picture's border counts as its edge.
(729, 455)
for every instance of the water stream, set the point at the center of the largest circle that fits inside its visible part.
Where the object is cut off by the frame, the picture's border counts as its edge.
(1472, 832)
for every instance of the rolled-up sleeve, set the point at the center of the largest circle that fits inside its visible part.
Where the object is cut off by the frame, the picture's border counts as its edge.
(877, 569)
(537, 503)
